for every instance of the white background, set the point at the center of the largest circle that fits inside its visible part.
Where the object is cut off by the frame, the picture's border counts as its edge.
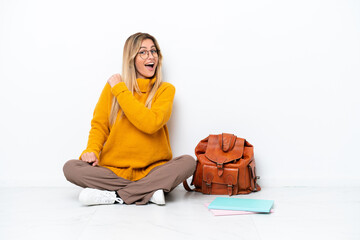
(282, 74)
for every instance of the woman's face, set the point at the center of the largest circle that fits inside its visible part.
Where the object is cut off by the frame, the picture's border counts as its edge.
(146, 60)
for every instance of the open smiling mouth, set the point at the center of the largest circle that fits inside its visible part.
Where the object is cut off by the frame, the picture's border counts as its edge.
(150, 66)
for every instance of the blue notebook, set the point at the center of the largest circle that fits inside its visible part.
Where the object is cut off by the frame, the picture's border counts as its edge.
(251, 205)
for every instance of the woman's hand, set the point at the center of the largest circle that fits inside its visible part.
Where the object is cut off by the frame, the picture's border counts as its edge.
(114, 79)
(91, 158)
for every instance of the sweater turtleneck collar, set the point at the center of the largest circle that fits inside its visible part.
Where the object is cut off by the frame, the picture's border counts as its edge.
(145, 84)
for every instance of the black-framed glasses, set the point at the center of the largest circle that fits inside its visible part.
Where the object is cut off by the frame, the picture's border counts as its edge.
(144, 54)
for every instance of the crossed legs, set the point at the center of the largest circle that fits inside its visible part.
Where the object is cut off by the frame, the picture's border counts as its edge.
(166, 177)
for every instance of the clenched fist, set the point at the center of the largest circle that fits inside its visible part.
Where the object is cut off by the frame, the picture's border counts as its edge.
(114, 79)
(91, 158)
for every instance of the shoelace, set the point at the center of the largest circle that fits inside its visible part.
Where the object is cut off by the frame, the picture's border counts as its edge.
(107, 197)
(119, 200)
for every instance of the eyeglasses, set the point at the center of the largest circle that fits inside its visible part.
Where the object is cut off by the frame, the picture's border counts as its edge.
(144, 54)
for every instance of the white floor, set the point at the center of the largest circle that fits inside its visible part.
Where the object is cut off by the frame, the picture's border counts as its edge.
(300, 213)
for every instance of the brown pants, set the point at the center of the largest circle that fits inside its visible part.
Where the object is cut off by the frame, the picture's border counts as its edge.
(166, 177)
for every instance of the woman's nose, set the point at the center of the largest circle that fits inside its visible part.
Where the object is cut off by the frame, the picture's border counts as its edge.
(150, 55)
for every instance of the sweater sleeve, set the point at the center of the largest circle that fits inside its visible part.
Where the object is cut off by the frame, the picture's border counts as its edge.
(99, 131)
(145, 119)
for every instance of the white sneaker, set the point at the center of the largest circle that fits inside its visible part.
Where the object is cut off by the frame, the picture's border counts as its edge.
(158, 197)
(91, 196)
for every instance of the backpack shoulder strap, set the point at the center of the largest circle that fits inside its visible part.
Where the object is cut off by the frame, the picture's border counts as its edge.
(186, 186)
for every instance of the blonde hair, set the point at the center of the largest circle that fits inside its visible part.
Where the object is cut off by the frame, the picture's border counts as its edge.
(131, 49)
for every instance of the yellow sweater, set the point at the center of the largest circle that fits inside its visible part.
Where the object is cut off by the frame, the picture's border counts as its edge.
(139, 140)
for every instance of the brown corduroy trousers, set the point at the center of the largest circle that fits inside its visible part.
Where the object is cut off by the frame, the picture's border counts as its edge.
(166, 177)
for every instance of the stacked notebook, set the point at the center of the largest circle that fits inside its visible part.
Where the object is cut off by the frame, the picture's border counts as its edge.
(237, 206)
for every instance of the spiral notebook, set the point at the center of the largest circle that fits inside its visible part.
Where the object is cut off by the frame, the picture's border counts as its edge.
(240, 204)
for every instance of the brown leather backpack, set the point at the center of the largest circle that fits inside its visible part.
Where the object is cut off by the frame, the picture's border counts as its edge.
(225, 165)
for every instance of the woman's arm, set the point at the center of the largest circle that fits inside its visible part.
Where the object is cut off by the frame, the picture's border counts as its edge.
(143, 118)
(99, 131)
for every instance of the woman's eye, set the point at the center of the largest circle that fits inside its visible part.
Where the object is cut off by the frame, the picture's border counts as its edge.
(142, 52)
(153, 51)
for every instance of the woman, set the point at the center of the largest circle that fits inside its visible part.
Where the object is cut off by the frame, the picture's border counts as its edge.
(128, 155)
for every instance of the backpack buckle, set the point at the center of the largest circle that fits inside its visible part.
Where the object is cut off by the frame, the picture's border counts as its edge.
(220, 167)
